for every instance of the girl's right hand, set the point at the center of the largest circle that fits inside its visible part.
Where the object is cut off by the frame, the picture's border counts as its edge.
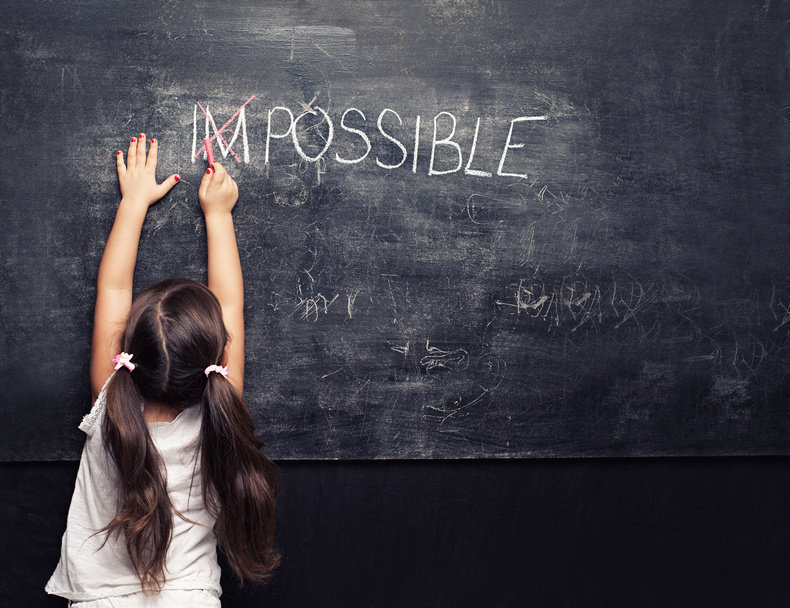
(218, 191)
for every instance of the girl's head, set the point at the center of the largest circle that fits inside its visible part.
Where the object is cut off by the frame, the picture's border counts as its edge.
(175, 331)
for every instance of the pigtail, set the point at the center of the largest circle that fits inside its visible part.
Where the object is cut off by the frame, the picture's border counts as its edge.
(144, 514)
(239, 483)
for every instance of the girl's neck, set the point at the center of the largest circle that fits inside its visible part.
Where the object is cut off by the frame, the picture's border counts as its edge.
(159, 412)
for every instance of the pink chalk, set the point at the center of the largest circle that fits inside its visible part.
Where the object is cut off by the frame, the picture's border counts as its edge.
(209, 151)
(220, 131)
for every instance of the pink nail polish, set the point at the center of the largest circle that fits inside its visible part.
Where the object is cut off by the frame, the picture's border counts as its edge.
(134, 139)
(118, 153)
(177, 178)
(153, 141)
(208, 171)
(142, 135)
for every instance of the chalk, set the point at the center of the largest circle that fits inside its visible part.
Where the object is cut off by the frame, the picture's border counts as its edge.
(209, 151)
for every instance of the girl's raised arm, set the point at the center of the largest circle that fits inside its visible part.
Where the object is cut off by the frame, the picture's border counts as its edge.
(218, 194)
(139, 190)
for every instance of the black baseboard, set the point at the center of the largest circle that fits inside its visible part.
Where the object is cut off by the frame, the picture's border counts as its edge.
(626, 532)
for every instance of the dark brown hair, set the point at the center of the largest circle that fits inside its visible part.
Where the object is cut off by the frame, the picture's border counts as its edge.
(175, 331)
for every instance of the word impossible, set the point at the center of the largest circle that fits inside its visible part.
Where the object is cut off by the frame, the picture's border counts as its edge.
(281, 124)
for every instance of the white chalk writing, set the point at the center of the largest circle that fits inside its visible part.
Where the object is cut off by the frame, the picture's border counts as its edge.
(389, 125)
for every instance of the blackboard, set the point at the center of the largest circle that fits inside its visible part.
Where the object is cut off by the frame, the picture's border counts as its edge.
(469, 229)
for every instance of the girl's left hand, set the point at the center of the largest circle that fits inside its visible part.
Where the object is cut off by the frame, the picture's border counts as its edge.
(137, 177)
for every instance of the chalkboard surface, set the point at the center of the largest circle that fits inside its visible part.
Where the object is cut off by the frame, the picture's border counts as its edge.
(468, 228)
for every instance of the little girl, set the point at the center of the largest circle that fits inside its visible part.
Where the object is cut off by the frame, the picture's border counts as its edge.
(171, 466)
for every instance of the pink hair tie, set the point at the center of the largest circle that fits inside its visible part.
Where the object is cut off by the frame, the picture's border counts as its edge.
(223, 371)
(124, 360)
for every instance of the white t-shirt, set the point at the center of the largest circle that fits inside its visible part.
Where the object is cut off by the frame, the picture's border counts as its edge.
(87, 570)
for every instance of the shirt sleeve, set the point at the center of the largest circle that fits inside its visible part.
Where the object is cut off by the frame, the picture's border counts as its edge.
(90, 419)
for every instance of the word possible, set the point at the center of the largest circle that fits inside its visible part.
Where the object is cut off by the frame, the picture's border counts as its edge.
(441, 138)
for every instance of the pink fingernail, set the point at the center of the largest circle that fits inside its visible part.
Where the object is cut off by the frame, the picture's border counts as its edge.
(208, 171)
(153, 141)
(177, 178)
(142, 135)
(134, 139)
(118, 153)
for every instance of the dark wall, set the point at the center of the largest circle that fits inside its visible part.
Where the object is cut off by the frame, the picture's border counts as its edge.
(575, 533)
(609, 279)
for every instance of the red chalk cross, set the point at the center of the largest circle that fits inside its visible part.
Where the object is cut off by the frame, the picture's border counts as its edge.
(218, 132)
